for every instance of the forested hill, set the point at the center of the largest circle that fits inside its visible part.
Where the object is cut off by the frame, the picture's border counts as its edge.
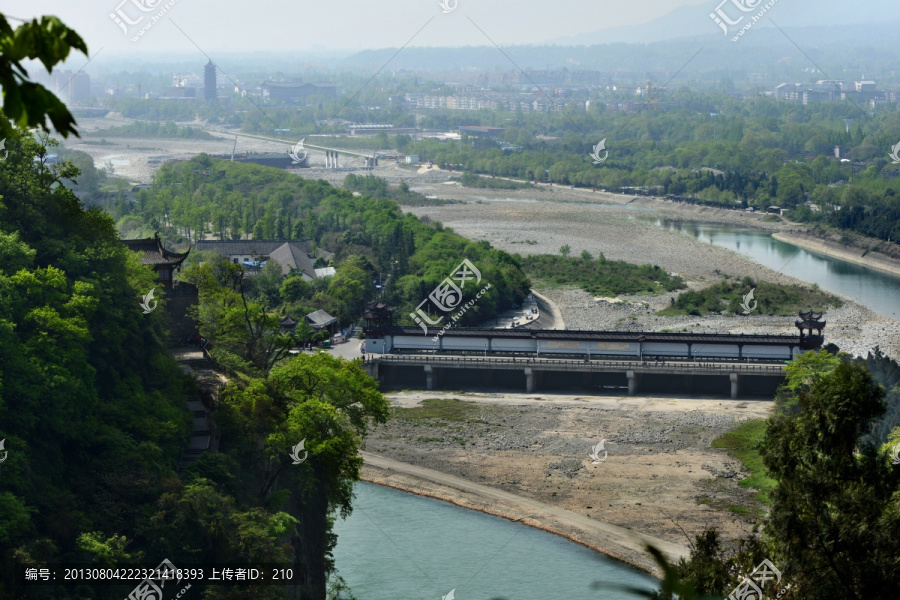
(92, 409)
(206, 197)
(93, 414)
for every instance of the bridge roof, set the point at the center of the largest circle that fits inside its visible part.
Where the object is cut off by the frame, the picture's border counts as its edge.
(601, 336)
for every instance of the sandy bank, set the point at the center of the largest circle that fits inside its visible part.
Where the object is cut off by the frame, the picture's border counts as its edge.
(525, 457)
(873, 260)
(616, 542)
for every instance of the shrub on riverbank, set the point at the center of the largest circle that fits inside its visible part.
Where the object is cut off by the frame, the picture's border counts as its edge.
(601, 277)
(728, 297)
(476, 181)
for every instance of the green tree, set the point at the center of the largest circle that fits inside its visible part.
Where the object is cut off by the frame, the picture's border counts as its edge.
(26, 103)
(294, 289)
(800, 374)
(242, 332)
(328, 404)
(835, 514)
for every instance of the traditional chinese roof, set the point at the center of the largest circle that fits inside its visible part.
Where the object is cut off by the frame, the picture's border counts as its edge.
(246, 247)
(378, 310)
(152, 252)
(320, 319)
(287, 323)
(289, 254)
(292, 256)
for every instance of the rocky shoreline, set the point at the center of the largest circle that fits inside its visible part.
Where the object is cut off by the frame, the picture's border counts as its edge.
(523, 227)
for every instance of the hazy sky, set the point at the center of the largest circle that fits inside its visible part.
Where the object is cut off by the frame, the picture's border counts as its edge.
(236, 25)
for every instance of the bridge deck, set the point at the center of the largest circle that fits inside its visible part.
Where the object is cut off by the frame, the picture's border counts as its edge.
(590, 336)
(680, 367)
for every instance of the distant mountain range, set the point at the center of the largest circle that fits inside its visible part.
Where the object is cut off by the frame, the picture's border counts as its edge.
(695, 20)
(848, 51)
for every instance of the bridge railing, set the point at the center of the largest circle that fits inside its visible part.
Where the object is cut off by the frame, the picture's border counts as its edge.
(526, 362)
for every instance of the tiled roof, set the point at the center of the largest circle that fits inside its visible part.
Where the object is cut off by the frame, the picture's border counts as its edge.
(320, 318)
(246, 247)
(291, 256)
(152, 252)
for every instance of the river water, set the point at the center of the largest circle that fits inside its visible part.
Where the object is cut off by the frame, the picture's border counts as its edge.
(876, 290)
(398, 546)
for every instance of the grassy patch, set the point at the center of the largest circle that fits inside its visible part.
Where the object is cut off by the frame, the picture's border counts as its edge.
(154, 130)
(599, 276)
(439, 408)
(768, 299)
(741, 444)
(378, 187)
(472, 180)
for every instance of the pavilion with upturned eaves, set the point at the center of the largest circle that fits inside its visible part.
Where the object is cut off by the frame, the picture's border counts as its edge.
(811, 322)
(165, 262)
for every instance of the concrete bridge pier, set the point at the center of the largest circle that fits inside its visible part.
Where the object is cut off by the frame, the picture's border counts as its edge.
(735, 385)
(632, 382)
(529, 380)
(429, 377)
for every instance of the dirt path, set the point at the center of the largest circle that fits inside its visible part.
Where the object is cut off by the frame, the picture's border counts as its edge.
(520, 455)
(612, 540)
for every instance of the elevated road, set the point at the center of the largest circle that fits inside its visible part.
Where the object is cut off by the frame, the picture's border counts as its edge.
(288, 143)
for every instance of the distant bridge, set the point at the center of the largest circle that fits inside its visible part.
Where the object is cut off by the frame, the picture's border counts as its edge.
(331, 154)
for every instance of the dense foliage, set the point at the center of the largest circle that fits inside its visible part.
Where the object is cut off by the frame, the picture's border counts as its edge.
(25, 102)
(377, 187)
(91, 406)
(608, 278)
(189, 200)
(475, 181)
(144, 129)
(324, 402)
(728, 296)
(834, 516)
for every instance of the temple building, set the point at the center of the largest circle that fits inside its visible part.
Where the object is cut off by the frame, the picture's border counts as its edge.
(165, 262)
(180, 296)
